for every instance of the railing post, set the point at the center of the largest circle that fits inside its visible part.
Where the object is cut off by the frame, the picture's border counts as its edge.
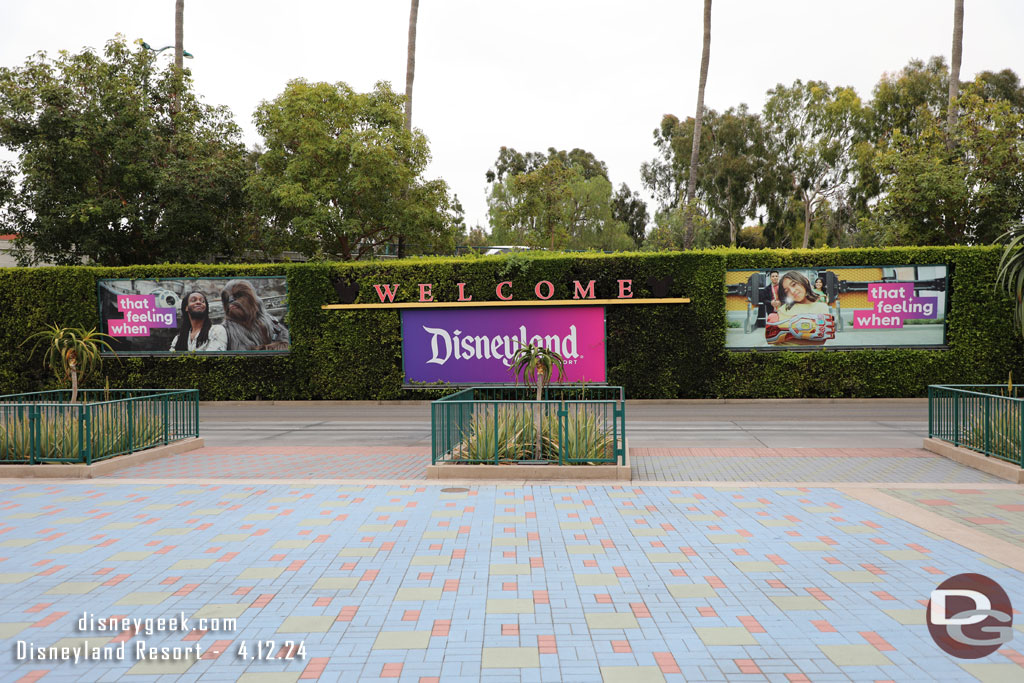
(563, 431)
(163, 402)
(931, 428)
(195, 410)
(987, 436)
(956, 419)
(33, 436)
(131, 423)
(85, 427)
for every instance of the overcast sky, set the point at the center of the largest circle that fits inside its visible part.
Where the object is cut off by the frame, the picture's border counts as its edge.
(530, 74)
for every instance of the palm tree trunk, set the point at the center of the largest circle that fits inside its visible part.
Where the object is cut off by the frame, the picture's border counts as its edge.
(954, 69)
(691, 185)
(540, 413)
(410, 74)
(179, 52)
(179, 23)
(73, 366)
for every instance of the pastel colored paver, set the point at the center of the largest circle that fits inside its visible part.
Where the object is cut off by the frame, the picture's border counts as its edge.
(611, 620)
(725, 635)
(306, 624)
(510, 658)
(855, 655)
(631, 674)
(509, 606)
(402, 640)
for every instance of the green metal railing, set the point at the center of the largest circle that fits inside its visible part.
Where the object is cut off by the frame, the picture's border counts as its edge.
(988, 418)
(492, 425)
(44, 427)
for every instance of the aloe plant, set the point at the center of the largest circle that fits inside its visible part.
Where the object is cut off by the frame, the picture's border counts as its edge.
(1011, 271)
(587, 436)
(59, 434)
(505, 432)
(71, 352)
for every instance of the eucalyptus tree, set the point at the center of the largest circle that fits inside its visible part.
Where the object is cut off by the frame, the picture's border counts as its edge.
(814, 131)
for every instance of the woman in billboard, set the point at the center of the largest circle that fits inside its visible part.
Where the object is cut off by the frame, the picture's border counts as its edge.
(196, 332)
(804, 319)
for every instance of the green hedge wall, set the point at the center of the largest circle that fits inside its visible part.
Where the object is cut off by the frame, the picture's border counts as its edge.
(674, 351)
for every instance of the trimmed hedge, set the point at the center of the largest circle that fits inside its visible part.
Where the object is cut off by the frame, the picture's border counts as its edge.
(656, 352)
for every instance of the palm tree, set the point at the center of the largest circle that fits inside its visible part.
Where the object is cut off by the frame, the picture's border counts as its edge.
(1011, 271)
(536, 364)
(179, 32)
(691, 185)
(410, 66)
(410, 74)
(954, 68)
(71, 352)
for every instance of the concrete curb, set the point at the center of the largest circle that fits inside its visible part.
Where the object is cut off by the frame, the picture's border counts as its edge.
(532, 473)
(98, 469)
(964, 456)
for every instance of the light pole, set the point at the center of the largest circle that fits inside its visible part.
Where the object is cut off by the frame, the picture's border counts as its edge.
(178, 72)
(146, 46)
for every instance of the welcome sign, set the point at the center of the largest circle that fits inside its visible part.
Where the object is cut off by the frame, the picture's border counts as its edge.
(475, 346)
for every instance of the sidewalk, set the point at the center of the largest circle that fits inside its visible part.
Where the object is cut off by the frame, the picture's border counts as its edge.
(764, 564)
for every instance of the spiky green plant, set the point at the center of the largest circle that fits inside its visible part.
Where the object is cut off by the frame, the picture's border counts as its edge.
(505, 432)
(1011, 271)
(1002, 425)
(587, 436)
(59, 434)
(71, 352)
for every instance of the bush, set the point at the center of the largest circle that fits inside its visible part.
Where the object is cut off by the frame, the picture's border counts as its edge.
(655, 352)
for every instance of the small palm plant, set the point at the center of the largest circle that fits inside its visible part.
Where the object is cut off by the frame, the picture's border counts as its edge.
(536, 365)
(72, 353)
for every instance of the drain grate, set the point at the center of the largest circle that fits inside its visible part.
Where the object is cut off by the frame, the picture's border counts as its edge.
(456, 490)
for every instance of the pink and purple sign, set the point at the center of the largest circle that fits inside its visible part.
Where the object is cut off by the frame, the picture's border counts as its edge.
(141, 314)
(475, 346)
(894, 302)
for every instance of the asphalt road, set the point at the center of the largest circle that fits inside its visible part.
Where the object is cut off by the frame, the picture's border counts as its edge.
(755, 424)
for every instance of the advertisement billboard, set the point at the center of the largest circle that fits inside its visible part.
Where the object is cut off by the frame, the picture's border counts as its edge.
(846, 307)
(475, 346)
(195, 315)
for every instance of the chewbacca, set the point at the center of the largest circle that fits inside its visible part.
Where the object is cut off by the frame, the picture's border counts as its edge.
(249, 325)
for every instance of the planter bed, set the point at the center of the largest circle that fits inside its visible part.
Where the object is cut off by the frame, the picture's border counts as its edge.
(575, 432)
(44, 427)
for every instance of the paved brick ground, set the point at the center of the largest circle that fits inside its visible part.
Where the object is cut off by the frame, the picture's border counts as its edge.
(292, 462)
(561, 583)
(891, 465)
(790, 465)
(999, 513)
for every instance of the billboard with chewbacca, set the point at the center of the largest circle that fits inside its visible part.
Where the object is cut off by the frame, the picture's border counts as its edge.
(197, 315)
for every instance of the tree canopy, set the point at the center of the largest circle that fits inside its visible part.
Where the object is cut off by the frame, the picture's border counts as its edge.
(559, 201)
(119, 162)
(341, 175)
